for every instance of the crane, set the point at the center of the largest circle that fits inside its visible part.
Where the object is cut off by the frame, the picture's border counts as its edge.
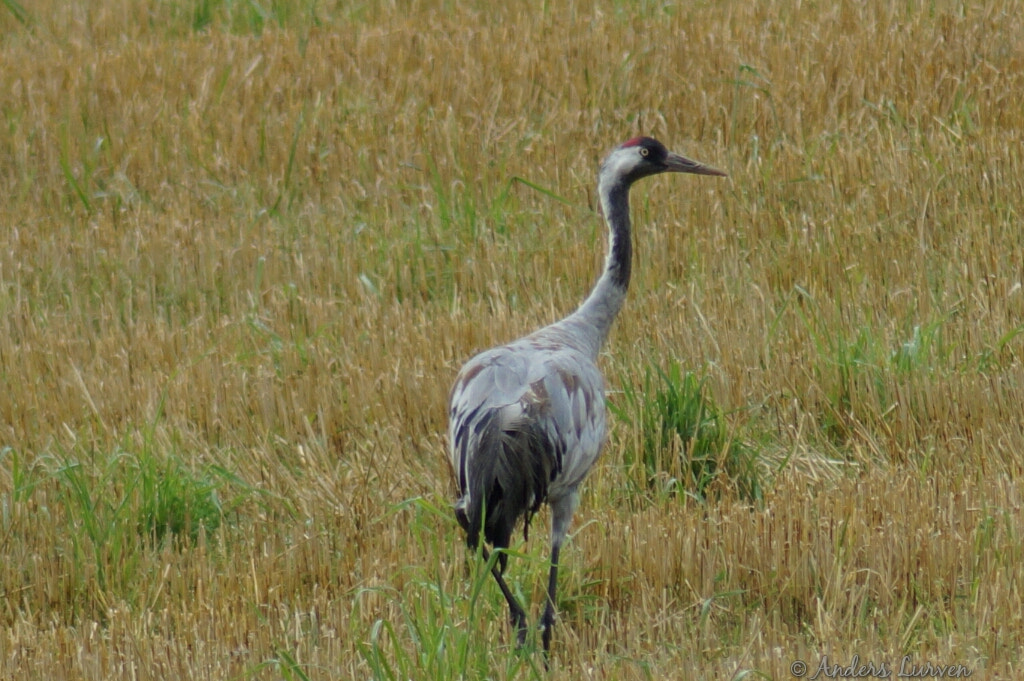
(527, 419)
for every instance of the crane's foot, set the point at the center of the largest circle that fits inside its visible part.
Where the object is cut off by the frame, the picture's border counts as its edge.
(518, 619)
(547, 624)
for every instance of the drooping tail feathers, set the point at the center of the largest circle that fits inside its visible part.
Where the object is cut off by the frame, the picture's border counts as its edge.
(508, 476)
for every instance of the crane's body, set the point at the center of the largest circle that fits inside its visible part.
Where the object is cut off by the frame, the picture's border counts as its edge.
(527, 420)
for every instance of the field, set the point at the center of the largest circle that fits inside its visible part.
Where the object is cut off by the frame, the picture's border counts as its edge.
(246, 246)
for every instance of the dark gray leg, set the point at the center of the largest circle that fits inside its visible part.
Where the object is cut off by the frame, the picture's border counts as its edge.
(561, 515)
(547, 620)
(517, 616)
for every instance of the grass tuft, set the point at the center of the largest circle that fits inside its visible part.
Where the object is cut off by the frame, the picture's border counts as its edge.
(684, 444)
(175, 502)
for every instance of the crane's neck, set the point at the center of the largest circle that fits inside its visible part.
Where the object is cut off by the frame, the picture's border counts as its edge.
(593, 320)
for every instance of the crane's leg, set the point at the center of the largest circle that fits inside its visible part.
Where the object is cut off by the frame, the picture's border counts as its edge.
(561, 515)
(517, 616)
(547, 620)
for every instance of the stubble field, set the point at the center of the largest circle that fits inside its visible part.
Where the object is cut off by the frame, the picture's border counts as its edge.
(246, 246)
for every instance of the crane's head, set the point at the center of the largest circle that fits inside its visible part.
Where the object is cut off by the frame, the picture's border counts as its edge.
(641, 157)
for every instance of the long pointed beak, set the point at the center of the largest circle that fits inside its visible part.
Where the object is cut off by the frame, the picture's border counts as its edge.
(674, 163)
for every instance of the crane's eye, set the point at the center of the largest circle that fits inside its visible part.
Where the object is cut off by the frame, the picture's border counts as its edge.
(644, 151)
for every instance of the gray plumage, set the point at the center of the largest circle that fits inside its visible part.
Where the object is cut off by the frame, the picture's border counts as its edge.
(527, 419)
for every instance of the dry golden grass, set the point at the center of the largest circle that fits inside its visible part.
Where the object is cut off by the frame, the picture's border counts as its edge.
(245, 254)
